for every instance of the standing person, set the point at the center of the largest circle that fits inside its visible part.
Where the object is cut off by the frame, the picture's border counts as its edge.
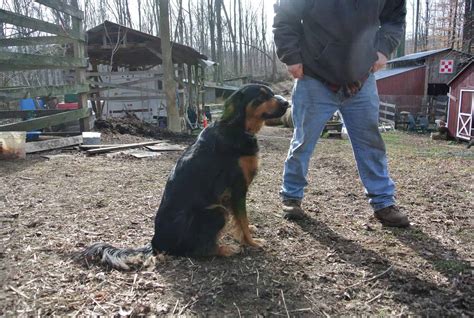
(332, 48)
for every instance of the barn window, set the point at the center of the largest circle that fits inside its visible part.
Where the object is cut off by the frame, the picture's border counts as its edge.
(437, 89)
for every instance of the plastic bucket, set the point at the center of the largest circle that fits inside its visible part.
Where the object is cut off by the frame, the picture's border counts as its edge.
(12, 145)
(90, 138)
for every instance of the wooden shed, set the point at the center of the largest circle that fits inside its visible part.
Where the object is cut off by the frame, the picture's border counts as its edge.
(403, 86)
(418, 83)
(126, 74)
(461, 103)
(441, 66)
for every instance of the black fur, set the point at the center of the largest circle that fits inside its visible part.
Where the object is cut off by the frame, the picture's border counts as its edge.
(192, 211)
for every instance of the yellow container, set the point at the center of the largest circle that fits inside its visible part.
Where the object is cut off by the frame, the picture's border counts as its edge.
(12, 145)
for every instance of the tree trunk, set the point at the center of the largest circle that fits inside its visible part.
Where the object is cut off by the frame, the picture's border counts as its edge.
(220, 57)
(427, 24)
(241, 57)
(212, 31)
(468, 28)
(191, 24)
(417, 19)
(139, 5)
(455, 17)
(169, 83)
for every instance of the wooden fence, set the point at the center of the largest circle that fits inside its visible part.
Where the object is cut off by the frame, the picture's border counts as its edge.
(13, 61)
(387, 113)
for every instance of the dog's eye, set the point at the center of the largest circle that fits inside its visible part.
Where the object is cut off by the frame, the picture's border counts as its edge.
(263, 98)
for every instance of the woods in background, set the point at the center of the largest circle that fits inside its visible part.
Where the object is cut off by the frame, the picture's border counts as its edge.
(237, 33)
(234, 33)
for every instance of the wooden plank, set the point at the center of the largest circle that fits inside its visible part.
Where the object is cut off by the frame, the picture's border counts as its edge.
(122, 86)
(63, 7)
(121, 147)
(47, 121)
(38, 146)
(130, 98)
(12, 61)
(386, 112)
(387, 121)
(387, 104)
(140, 81)
(14, 93)
(165, 147)
(89, 147)
(29, 113)
(143, 80)
(91, 74)
(39, 25)
(39, 40)
(453, 98)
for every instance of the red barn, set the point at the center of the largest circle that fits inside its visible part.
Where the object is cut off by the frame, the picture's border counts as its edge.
(461, 103)
(417, 83)
(403, 86)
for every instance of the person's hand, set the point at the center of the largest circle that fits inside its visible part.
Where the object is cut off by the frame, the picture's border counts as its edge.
(296, 70)
(380, 63)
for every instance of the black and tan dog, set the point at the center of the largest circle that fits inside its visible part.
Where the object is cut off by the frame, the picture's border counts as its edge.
(208, 185)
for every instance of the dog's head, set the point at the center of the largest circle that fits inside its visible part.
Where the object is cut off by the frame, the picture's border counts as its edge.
(251, 105)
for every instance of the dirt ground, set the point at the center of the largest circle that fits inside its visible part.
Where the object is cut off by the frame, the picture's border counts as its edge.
(336, 262)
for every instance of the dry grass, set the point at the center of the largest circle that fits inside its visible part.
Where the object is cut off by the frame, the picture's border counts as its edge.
(338, 261)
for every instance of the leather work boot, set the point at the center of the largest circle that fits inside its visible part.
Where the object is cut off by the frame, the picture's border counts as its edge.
(292, 209)
(392, 216)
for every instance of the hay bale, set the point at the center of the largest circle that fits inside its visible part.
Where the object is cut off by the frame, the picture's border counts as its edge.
(274, 122)
(287, 119)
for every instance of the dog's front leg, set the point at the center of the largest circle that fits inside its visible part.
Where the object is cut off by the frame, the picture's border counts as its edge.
(239, 209)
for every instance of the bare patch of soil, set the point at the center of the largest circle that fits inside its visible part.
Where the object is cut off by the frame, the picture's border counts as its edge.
(338, 261)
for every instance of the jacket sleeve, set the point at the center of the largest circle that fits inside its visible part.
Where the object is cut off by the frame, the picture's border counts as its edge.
(288, 29)
(392, 22)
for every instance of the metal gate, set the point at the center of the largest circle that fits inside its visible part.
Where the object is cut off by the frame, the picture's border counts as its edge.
(466, 101)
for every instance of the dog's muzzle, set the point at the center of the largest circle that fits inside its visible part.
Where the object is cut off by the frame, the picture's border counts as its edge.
(282, 103)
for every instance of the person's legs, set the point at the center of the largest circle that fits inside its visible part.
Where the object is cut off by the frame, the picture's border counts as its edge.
(361, 117)
(313, 106)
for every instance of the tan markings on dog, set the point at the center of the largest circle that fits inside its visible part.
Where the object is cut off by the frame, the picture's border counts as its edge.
(227, 250)
(243, 223)
(249, 166)
(253, 116)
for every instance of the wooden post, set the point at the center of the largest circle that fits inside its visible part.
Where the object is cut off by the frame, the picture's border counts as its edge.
(182, 97)
(80, 52)
(202, 89)
(169, 84)
(191, 85)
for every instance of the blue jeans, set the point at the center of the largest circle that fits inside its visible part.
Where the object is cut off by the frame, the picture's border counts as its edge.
(313, 105)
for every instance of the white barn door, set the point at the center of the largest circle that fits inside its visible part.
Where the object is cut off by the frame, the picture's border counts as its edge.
(465, 114)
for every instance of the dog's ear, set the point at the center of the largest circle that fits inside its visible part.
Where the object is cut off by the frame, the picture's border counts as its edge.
(234, 110)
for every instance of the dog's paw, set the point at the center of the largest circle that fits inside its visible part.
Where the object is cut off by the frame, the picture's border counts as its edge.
(257, 243)
(253, 229)
(228, 250)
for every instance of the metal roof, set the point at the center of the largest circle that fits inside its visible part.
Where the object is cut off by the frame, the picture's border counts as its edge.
(395, 71)
(461, 71)
(141, 49)
(417, 56)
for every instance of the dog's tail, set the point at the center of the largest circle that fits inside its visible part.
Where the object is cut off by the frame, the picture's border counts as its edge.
(118, 258)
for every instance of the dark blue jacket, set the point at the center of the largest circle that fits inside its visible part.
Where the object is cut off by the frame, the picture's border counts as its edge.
(337, 40)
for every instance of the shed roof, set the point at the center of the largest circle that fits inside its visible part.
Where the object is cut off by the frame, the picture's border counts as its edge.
(418, 55)
(395, 71)
(471, 62)
(139, 49)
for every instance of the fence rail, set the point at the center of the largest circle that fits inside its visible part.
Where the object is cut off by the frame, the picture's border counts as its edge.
(13, 61)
